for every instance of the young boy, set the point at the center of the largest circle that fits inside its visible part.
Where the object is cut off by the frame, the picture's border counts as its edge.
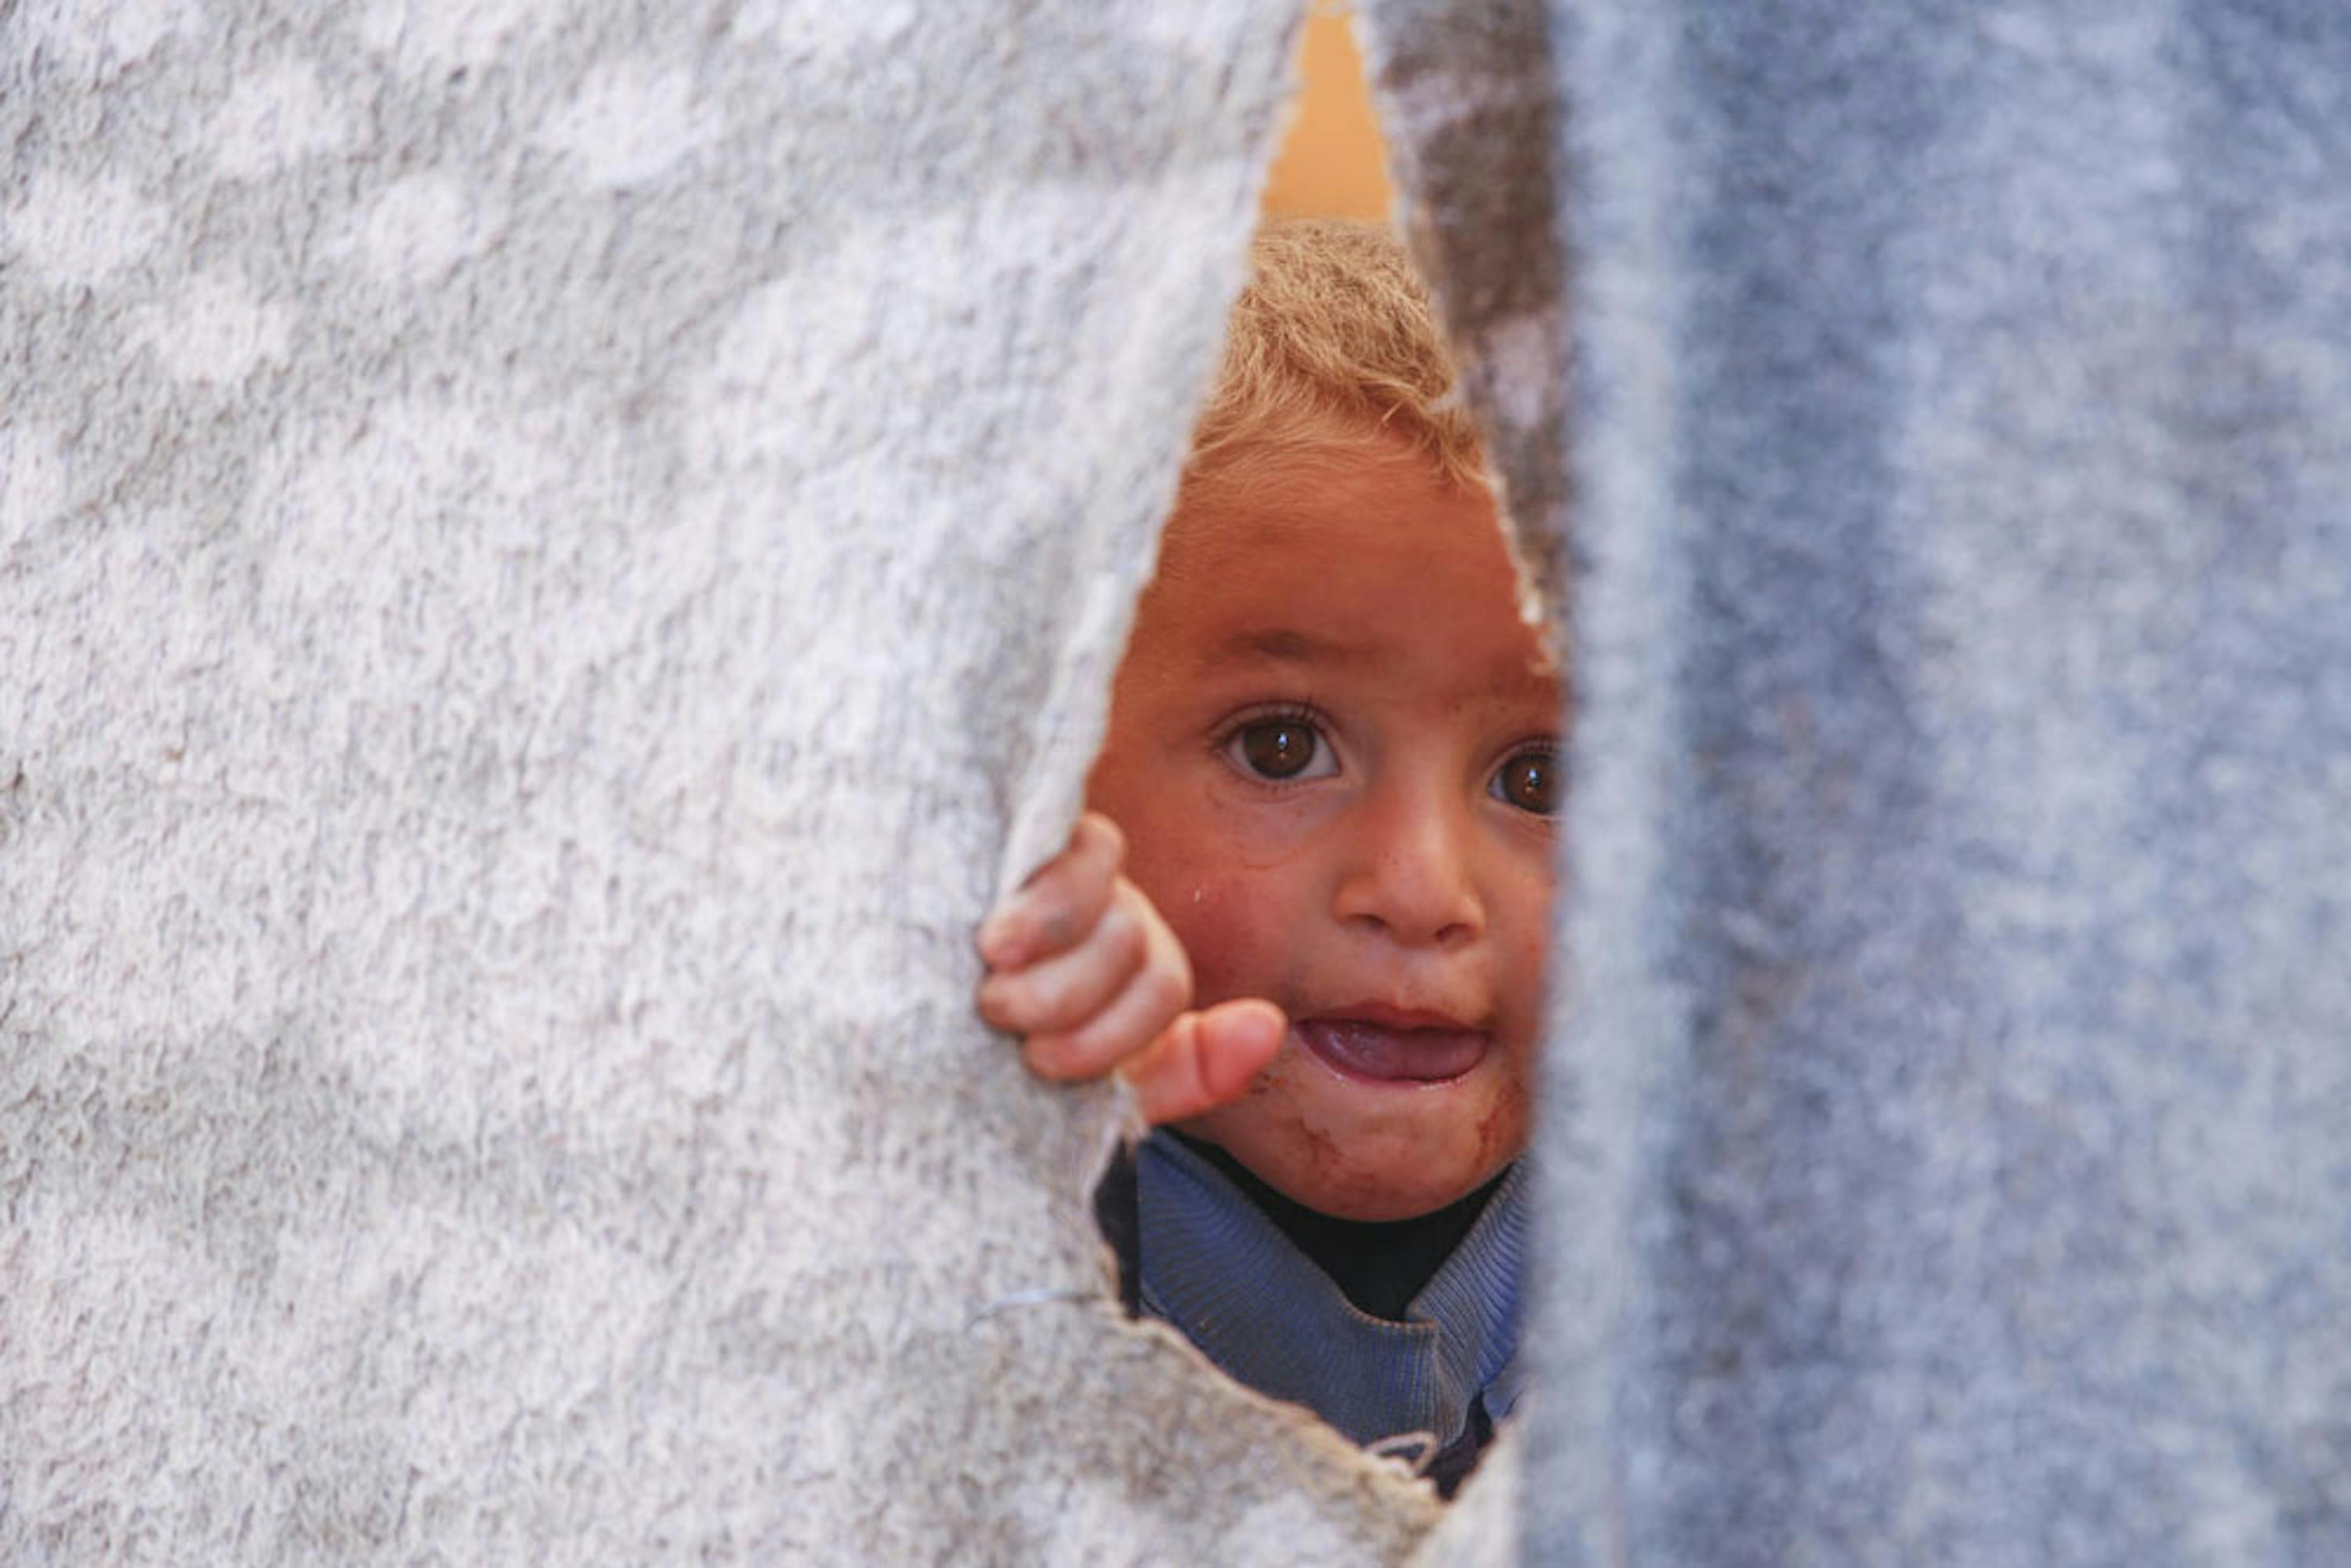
(1332, 769)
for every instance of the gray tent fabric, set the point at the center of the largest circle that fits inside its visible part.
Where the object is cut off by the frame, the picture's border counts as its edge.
(1946, 1158)
(554, 556)
(552, 559)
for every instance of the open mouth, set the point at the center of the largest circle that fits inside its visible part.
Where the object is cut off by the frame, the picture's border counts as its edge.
(1385, 1053)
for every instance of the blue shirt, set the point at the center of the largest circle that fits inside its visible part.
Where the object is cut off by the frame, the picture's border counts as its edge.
(1218, 1268)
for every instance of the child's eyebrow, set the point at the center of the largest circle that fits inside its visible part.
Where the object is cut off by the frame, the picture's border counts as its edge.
(1282, 645)
(1508, 682)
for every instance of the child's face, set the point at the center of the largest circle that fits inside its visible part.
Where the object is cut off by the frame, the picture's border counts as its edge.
(1332, 751)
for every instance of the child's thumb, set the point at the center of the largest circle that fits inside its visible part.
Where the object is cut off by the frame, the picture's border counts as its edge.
(1237, 1039)
(1206, 1059)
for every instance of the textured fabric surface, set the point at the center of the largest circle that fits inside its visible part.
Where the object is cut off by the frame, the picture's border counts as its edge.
(552, 556)
(1948, 1161)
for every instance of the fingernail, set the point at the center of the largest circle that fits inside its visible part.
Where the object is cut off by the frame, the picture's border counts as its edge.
(997, 944)
(991, 1000)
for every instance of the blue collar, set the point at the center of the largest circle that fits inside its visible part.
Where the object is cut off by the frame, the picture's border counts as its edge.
(1218, 1268)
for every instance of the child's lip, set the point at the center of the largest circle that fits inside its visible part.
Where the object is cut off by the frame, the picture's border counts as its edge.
(1393, 1045)
(1398, 1016)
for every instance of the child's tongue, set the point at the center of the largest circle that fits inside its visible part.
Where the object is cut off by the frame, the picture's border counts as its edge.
(1393, 1055)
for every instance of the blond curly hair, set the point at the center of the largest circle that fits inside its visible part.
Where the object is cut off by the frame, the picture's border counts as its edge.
(1330, 347)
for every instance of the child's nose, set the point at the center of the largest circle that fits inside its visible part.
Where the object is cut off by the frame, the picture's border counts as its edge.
(1409, 871)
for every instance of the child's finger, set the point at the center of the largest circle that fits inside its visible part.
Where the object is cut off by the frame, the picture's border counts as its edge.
(1206, 1059)
(1159, 989)
(1054, 909)
(1059, 993)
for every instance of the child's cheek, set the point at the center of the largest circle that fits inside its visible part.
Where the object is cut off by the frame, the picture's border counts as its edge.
(1255, 834)
(1528, 943)
(1230, 935)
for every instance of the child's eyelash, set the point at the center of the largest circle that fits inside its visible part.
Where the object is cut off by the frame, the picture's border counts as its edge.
(1276, 745)
(1289, 711)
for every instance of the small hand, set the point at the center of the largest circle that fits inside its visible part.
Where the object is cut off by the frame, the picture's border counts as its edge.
(1081, 963)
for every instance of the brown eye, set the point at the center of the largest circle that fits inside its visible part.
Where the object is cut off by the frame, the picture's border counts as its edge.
(1529, 781)
(1280, 750)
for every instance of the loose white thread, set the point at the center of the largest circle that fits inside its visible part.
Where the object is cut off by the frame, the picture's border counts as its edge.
(1035, 1296)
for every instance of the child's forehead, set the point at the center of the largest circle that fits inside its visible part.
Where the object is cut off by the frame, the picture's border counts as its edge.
(1326, 494)
(1379, 578)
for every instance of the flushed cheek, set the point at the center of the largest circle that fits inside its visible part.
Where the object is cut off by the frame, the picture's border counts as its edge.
(1233, 938)
(1257, 836)
(1525, 953)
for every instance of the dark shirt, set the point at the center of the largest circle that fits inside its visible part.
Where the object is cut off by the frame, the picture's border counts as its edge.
(1381, 1265)
(1223, 1236)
